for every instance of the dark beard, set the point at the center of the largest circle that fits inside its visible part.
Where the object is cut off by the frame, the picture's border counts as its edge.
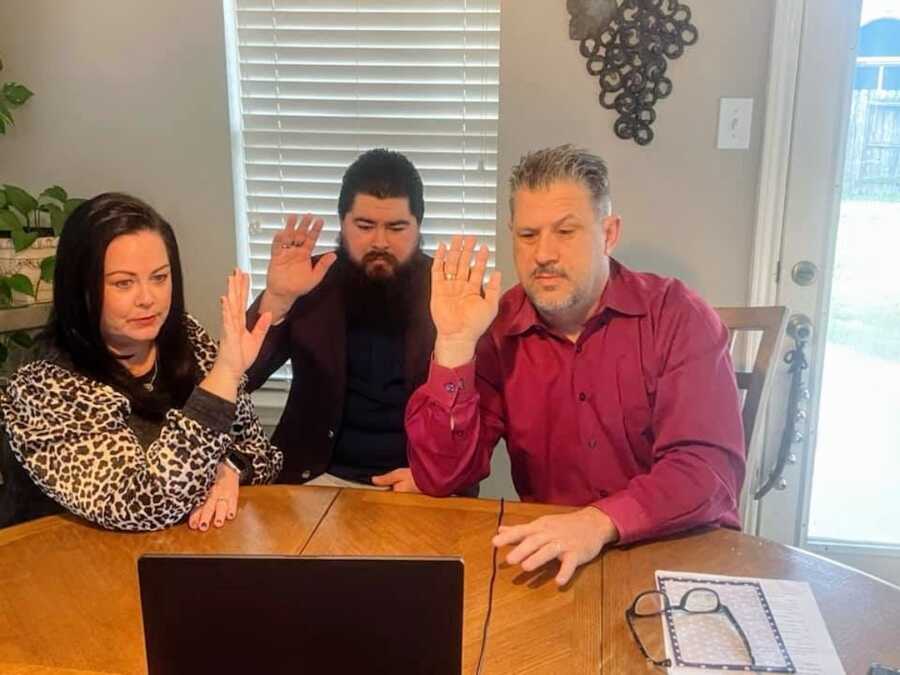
(378, 303)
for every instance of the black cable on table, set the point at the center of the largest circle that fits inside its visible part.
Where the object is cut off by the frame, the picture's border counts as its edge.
(490, 605)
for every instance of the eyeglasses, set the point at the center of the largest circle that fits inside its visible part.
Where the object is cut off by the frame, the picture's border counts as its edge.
(695, 601)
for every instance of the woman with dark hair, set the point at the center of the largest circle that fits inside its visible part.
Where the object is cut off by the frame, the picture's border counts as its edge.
(134, 418)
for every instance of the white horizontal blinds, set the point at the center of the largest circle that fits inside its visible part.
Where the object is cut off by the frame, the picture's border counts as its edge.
(323, 80)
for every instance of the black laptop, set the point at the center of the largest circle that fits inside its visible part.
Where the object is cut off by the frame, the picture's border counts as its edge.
(274, 614)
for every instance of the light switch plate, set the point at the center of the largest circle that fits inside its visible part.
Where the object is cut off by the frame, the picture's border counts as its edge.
(735, 119)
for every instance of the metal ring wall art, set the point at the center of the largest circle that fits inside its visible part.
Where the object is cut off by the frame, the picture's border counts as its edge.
(628, 44)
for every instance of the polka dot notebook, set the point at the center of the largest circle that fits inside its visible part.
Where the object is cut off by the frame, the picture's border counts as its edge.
(780, 619)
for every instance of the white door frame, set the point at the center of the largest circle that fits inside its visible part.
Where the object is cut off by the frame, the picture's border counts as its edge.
(838, 141)
(784, 62)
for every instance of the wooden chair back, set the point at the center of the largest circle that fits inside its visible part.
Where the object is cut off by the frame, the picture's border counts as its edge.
(755, 383)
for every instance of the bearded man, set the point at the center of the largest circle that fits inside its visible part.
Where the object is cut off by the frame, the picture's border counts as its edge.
(356, 326)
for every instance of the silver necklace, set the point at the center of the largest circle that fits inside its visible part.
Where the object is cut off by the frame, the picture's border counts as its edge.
(149, 385)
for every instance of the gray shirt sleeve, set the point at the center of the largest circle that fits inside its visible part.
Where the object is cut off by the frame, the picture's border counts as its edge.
(210, 410)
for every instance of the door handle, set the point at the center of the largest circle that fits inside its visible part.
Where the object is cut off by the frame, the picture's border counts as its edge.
(800, 327)
(800, 330)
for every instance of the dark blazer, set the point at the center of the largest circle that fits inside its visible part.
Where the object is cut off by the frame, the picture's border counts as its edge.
(313, 336)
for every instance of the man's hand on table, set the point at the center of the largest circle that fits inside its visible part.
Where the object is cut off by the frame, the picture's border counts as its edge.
(572, 538)
(398, 480)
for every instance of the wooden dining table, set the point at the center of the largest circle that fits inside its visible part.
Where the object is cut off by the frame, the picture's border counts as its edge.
(69, 599)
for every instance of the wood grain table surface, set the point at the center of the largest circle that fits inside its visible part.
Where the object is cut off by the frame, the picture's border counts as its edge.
(69, 600)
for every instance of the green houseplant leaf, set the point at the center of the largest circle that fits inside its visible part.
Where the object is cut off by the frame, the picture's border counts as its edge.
(48, 269)
(22, 239)
(5, 292)
(21, 200)
(3, 201)
(21, 284)
(57, 193)
(57, 218)
(8, 221)
(72, 204)
(5, 114)
(17, 94)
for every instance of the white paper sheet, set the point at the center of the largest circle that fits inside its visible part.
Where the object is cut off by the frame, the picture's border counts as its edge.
(796, 614)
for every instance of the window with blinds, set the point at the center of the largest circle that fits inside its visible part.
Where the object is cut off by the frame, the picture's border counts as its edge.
(316, 82)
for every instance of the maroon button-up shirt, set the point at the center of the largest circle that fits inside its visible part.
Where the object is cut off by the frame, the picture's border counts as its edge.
(640, 417)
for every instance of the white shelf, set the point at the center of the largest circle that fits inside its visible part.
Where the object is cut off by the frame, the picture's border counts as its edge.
(24, 318)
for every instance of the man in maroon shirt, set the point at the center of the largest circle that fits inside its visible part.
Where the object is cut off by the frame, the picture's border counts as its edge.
(613, 389)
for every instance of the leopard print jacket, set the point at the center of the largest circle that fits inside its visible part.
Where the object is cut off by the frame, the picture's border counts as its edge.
(69, 433)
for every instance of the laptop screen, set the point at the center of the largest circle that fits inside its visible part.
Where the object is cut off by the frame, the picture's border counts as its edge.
(261, 614)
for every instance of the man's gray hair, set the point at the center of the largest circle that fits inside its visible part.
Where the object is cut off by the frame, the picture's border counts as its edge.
(541, 168)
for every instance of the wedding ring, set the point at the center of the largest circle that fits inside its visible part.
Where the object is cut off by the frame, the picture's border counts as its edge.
(285, 245)
(449, 276)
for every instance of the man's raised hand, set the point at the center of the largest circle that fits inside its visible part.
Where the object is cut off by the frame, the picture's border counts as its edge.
(462, 305)
(291, 272)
